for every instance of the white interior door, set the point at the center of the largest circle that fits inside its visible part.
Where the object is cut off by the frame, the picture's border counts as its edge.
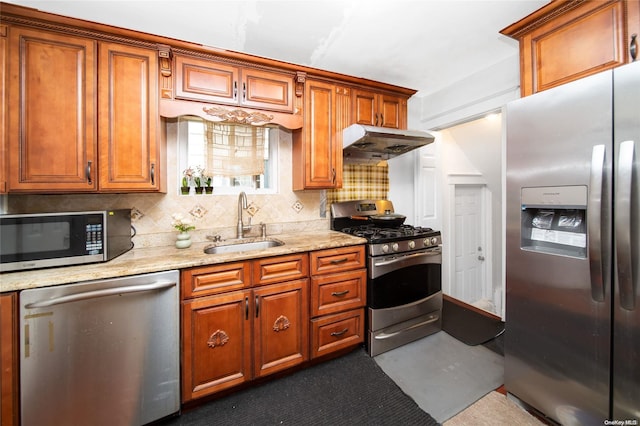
(470, 233)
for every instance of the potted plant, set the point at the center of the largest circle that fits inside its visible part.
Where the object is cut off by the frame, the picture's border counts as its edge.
(187, 174)
(197, 178)
(207, 178)
(183, 226)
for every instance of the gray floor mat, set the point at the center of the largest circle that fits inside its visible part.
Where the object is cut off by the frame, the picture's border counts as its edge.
(443, 375)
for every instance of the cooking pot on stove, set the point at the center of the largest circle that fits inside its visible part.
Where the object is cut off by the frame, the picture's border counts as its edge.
(387, 220)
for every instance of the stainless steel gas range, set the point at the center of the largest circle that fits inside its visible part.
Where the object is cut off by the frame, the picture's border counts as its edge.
(404, 269)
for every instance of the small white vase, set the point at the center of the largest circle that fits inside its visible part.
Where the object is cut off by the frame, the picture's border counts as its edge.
(183, 240)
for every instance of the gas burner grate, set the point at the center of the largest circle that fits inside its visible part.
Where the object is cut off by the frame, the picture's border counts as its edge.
(374, 233)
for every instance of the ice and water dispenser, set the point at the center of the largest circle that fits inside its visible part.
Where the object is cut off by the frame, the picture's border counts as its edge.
(554, 220)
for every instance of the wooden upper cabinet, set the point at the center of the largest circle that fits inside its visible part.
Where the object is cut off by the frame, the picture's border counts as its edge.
(317, 148)
(128, 118)
(52, 112)
(82, 115)
(379, 109)
(218, 82)
(569, 39)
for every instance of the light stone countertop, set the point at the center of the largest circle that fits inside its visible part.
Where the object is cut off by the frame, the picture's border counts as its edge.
(146, 260)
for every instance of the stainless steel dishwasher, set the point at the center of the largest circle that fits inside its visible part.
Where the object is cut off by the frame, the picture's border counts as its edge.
(100, 352)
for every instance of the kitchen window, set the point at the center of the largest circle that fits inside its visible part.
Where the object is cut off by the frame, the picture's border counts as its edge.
(235, 157)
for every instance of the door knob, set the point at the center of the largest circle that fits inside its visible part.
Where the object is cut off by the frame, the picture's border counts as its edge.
(480, 257)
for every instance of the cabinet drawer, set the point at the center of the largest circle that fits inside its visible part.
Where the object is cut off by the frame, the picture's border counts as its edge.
(215, 279)
(337, 260)
(280, 269)
(334, 332)
(338, 292)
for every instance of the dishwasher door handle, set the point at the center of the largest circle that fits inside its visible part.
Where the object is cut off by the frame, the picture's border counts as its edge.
(101, 293)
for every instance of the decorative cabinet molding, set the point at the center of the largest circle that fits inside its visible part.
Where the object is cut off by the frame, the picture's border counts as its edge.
(570, 39)
(243, 320)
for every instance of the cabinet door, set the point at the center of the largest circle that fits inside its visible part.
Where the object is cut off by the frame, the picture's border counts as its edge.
(562, 42)
(269, 90)
(206, 80)
(128, 118)
(390, 112)
(52, 111)
(9, 412)
(365, 108)
(314, 150)
(281, 326)
(216, 343)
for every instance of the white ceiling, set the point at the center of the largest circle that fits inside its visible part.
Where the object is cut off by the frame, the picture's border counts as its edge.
(426, 45)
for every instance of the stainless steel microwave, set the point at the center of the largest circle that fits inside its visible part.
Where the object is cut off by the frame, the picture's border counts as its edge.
(42, 240)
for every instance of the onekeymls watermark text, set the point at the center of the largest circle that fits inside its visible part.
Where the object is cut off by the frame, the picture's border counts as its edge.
(629, 422)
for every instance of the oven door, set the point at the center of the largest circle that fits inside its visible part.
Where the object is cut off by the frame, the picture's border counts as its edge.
(404, 278)
(404, 297)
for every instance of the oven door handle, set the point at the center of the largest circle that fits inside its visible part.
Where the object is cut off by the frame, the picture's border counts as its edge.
(408, 257)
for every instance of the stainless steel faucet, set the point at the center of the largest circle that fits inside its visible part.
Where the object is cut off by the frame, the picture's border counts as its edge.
(242, 204)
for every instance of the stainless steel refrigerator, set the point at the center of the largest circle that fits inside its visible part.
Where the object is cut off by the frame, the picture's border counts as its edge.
(572, 341)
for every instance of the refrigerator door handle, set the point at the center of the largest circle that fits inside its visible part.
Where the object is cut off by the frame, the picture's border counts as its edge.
(594, 222)
(624, 184)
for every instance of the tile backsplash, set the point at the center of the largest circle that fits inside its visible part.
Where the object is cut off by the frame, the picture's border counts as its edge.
(284, 212)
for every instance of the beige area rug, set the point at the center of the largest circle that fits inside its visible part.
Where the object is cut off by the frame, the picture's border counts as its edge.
(493, 409)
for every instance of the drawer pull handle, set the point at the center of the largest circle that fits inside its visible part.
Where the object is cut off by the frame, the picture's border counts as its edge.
(338, 261)
(217, 339)
(339, 293)
(339, 333)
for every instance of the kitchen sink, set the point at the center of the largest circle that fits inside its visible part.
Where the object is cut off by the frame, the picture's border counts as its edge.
(236, 246)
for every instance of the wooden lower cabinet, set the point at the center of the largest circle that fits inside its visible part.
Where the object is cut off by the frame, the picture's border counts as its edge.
(338, 299)
(235, 336)
(216, 343)
(280, 327)
(9, 374)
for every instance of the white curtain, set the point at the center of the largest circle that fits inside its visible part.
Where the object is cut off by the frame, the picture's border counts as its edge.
(234, 150)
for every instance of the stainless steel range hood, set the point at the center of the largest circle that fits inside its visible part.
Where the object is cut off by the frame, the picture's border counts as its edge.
(368, 144)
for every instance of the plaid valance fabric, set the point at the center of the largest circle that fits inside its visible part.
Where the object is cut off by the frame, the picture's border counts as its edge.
(361, 182)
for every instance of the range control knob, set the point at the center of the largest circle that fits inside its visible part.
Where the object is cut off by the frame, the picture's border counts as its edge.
(434, 241)
(426, 242)
(412, 244)
(395, 246)
(385, 248)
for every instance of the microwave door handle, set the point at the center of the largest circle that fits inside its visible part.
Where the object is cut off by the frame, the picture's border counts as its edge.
(594, 222)
(624, 186)
(159, 285)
